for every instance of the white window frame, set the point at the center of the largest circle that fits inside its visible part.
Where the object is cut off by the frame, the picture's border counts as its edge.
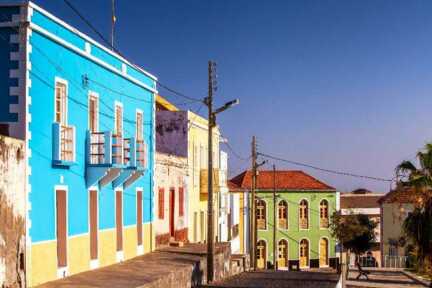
(62, 81)
(95, 95)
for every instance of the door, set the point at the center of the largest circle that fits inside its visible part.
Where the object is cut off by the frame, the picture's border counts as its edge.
(171, 215)
(61, 214)
(323, 252)
(119, 220)
(261, 254)
(93, 225)
(304, 253)
(139, 217)
(282, 254)
(195, 227)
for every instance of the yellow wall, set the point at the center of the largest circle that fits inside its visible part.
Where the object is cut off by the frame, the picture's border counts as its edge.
(43, 256)
(43, 262)
(197, 138)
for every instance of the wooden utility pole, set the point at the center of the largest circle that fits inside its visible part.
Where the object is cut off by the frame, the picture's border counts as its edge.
(210, 219)
(253, 226)
(275, 263)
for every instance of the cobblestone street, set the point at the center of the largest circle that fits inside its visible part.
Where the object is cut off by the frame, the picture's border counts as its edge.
(382, 278)
(267, 279)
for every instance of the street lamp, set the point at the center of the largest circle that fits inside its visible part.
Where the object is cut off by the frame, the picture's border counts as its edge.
(212, 123)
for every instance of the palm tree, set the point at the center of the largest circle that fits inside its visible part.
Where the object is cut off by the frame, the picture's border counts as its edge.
(418, 224)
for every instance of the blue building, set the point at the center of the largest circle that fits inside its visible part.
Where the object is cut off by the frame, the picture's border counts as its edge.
(87, 117)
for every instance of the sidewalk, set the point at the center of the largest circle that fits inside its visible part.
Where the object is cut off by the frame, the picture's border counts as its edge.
(168, 267)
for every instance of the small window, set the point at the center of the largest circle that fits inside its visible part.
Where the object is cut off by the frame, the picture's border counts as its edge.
(324, 219)
(304, 215)
(161, 200)
(61, 102)
(118, 120)
(283, 214)
(261, 214)
(93, 113)
(139, 125)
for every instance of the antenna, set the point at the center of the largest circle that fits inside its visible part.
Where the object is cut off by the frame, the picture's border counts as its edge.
(113, 21)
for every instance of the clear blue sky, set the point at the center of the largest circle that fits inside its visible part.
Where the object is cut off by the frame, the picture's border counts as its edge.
(343, 84)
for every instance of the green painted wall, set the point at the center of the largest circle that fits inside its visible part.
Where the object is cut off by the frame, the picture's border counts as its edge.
(293, 234)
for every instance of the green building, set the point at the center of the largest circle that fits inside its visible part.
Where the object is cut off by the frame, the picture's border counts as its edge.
(303, 209)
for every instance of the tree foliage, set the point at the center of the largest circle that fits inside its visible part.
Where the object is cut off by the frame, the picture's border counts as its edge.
(355, 231)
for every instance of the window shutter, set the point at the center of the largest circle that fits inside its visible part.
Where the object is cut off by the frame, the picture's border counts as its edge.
(161, 203)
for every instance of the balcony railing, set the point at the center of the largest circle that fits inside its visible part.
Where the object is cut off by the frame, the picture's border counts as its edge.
(117, 149)
(204, 181)
(63, 144)
(283, 223)
(303, 222)
(324, 222)
(261, 224)
(141, 154)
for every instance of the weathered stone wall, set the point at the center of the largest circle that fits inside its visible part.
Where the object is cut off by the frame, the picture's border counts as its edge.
(12, 212)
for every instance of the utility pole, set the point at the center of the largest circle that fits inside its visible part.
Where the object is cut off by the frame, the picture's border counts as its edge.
(275, 263)
(212, 123)
(253, 210)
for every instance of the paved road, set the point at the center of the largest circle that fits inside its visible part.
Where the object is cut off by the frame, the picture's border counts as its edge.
(267, 279)
(382, 279)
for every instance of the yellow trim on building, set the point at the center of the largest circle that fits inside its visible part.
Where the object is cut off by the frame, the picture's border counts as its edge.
(130, 242)
(78, 254)
(165, 103)
(43, 263)
(107, 247)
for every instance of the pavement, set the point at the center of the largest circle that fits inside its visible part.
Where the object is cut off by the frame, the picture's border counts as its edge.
(275, 279)
(382, 278)
(154, 269)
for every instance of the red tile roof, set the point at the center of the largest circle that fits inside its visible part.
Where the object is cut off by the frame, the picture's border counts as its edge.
(400, 196)
(285, 180)
(352, 200)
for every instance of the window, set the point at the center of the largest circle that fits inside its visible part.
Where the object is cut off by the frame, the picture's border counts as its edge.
(283, 214)
(261, 214)
(161, 200)
(139, 125)
(303, 214)
(181, 201)
(282, 254)
(118, 129)
(93, 112)
(61, 102)
(324, 221)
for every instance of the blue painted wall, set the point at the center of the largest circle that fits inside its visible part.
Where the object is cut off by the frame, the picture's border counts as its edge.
(50, 60)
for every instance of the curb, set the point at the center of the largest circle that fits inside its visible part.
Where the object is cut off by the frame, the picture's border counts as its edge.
(417, 279)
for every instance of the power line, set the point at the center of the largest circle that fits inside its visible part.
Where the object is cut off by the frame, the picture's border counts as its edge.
(92, 27)
(237, 155)
(324, 169)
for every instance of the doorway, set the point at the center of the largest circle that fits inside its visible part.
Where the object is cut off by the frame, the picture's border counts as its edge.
(261, 254)
(171, 214)
(304, 253)
(323, 252)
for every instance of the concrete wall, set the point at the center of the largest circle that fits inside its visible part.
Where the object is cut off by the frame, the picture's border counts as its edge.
(171, 132)
(12, 212)
(171, 172)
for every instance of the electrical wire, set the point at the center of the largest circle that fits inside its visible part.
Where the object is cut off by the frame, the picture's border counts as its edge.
(92, 27)
(324, 169)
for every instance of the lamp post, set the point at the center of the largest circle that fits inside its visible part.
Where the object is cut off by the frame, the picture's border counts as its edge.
(212, 123)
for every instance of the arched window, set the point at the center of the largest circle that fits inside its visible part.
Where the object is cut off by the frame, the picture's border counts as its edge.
(261, 214)
(282, 254)
(304, 214)
(283, 214)
(304, 253)
(261, 254)
(324, 219)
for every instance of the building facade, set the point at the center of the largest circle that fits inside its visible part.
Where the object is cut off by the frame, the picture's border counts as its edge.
(171, 205)
(12, 212)
(362, 201)
(185, 133)
(225, 216)
(394, 208)
(86, 116)
(303, 207)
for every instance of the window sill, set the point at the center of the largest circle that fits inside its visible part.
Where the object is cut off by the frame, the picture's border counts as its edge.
(62, 163)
